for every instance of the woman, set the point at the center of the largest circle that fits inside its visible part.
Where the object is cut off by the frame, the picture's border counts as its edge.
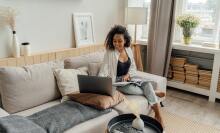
(119, 64)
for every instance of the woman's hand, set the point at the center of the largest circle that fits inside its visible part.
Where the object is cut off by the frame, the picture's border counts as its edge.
(126, 77)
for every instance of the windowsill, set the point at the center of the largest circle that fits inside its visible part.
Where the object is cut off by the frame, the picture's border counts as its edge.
(190, 47)
(142, 41)
(196, 48)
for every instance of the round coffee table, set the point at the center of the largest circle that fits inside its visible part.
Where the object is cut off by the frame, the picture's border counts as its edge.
(123, 124)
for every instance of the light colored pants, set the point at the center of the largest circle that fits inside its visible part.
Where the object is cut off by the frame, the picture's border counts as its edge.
(146, 89)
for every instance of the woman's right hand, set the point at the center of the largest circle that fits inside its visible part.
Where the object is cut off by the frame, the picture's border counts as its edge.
(126, 78)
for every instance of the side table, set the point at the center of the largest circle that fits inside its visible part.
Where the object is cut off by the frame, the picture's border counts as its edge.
(123, 124)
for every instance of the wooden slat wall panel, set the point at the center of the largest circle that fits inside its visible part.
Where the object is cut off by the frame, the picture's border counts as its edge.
(59, 55)
(50, 56)
(29, 60)
(44, 58)
(36, 59)
(21, 61)
(12, 62)
(76, 52)
(71, 53)
(66, 54)
(3, 62)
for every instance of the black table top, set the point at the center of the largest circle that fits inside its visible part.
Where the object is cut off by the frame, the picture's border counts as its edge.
(123, 124)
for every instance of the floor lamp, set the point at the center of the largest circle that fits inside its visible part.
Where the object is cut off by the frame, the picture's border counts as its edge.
(136, 16)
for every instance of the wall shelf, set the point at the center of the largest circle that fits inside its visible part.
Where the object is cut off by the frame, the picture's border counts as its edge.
(188, 87)
(217, 95)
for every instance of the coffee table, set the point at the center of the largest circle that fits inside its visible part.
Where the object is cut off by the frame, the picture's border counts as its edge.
(122, 124)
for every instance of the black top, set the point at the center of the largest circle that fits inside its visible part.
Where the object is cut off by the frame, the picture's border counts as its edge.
(123, 67)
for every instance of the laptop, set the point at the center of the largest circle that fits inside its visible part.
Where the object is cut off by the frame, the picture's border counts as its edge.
(95, 84)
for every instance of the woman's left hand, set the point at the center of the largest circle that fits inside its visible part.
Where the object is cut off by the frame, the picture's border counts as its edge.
(126, 77)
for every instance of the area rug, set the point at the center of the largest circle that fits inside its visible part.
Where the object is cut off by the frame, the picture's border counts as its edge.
(177, 124)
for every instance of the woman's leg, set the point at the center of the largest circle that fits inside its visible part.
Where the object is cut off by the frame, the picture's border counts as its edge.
(147, 90)
(149, 93)
(131, 89)
(158, 116)
(160, 93)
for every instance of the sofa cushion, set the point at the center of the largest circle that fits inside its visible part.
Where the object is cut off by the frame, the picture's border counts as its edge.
(25, 87)
(93, 68)
(96, 100)
(95, 125)
(138, 100)
(67, 80)
(84, 60)
(36, 109)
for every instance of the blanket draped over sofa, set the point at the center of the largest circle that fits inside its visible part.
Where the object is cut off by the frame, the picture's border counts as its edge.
(56, 119)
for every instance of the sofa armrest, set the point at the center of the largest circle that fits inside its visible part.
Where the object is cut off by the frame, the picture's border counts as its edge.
(3, 113)
(161, 81)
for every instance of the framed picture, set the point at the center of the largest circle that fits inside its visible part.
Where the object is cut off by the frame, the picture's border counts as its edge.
(83, 29)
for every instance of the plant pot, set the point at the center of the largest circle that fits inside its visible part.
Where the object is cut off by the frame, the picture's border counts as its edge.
(187, 40)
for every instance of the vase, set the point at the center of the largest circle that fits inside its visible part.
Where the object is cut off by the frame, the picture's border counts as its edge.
(15, 45)
(187, 40)
(138, 123)
(187, 33)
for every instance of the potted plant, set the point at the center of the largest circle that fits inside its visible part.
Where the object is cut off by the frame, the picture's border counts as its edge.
(188, 22)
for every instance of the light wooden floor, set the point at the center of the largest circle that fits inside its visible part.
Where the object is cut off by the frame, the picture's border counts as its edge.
(193, 106)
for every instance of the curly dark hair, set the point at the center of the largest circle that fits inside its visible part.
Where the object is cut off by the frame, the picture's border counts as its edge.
(117, 29)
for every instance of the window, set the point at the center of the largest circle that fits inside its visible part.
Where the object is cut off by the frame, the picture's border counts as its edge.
(209, 13)
(142, 30)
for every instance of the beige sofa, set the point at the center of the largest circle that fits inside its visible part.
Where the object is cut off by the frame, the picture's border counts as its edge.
(96, 125)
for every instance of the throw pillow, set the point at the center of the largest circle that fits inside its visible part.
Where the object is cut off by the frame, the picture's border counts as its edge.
(96, 100)
(67, 80)
(29, 86)
(93, 68)
(83, 60)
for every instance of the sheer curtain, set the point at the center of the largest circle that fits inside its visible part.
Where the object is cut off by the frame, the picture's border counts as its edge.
(162, 21)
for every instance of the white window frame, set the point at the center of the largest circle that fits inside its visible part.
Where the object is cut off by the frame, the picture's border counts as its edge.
(178, 35)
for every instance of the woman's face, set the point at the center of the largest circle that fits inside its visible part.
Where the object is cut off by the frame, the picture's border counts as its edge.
(119, 41)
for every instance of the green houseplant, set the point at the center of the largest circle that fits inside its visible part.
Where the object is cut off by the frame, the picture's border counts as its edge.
(187, 22)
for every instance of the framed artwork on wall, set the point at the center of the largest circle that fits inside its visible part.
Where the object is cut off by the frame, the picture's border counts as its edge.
(83, 29)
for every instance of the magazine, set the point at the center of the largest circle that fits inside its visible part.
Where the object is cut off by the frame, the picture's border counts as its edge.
(134, 80)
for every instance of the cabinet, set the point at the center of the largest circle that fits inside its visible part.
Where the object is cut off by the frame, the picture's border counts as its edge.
(212, 92)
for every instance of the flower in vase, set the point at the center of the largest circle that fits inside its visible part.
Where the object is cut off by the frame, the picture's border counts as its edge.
(187, 22)
(7, 17)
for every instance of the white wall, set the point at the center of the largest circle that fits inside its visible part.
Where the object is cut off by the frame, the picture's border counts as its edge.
(47, 24)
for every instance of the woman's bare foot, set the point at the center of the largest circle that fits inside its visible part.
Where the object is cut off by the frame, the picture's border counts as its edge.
(160, 94)
(159, 119)
(158, 116)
